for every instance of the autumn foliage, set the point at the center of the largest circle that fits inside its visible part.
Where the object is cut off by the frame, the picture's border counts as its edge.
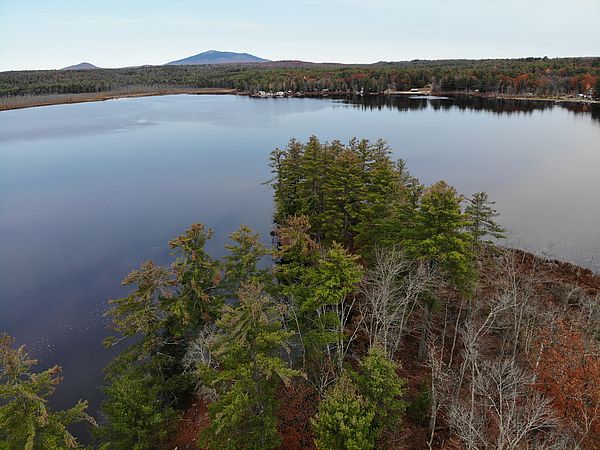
(569, 373)
(298, 403)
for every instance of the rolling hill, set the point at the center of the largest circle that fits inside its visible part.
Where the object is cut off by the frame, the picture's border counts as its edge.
(81, 66)
(217, 57)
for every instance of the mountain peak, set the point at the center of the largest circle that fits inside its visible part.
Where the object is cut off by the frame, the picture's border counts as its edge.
(81, 66)
(218, 57)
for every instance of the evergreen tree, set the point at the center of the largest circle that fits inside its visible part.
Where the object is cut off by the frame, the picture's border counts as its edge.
(334, 277)
(480, 219)
(164, 310)
(241, 263)
(248, 351)
(379, 383)
(26, 421)
(384, 193)
(144, 379)
(140, 314)
(285, 164)
(136, 418)
(345, 419)
(343, 190)
(166, 305)
(314, 165)
(355, 414)
(198, 276)
(296, 253)
(439, 235)
(397, 224)
(320, 284)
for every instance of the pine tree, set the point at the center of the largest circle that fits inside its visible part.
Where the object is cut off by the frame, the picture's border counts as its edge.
(248, 351)
(286, 166)
(439, 235)
(396, 223)
(344, 192)
(480, 222)
(342, 189)
(241, 263)
(141, 315)
(320, 285)
(197, 276)
(296, 253)
(314, 165)
(380, 385)
(137, 419)
(345, 419)
(144, 379)
(26, 421)
(163, 311)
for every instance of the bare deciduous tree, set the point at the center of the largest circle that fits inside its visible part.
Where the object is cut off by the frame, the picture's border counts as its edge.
(440, 386)
(506, 394)
(198, 350)
(391, 291)
(504, 412)
(198, 353)
(590, 314)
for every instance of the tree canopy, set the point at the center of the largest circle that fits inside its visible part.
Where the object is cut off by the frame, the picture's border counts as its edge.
(540, 76)
(26, 420)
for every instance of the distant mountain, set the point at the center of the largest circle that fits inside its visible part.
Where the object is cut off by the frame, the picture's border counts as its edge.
(217, 57)
(81, 66)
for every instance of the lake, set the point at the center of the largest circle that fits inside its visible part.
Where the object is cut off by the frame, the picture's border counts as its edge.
(88, 191)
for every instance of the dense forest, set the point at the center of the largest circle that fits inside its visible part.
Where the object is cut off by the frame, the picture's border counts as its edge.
(526, 76)
(383, 315)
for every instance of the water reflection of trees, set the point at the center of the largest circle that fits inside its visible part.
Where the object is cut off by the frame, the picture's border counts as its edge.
(499, 106)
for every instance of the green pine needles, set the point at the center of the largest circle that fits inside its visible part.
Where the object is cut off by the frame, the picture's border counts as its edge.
(26, 420)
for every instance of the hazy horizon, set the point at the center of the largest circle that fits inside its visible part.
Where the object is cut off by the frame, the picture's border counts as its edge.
(39, 35)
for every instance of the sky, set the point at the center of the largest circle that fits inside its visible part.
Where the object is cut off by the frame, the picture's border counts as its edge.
(51, 34)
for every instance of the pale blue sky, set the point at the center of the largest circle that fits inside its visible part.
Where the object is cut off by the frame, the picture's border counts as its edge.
(49, 34)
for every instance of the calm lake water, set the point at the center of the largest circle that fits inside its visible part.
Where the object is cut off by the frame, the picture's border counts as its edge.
(88, 191)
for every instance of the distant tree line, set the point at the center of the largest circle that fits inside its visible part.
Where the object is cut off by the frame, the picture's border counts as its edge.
(535, 76)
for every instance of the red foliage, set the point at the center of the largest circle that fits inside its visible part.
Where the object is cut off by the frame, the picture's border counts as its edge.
(569, 373)
(194, 420)
(583, 83)
(299, 403)
(359, 76)
(521, 81)
(587, 82)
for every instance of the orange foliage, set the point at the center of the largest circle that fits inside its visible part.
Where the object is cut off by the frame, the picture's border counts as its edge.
(298, 404)
(359, 76)
(569, 374)
(583, 83)
(587, 82)
(521, 81)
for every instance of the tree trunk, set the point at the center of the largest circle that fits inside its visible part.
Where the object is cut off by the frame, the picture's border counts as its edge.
(425, 333)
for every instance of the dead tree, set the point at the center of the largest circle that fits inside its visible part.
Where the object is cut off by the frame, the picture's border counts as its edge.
(505, 392)
(504, 411)
(391, 291)
(440, 386)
